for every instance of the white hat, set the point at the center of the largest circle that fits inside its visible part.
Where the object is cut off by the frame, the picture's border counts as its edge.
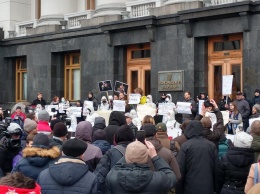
(103, 98)
(128, 115)
(243, 140)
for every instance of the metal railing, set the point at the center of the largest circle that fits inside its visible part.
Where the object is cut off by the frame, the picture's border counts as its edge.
(73, 19)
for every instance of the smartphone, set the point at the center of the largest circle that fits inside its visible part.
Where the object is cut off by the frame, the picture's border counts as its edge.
(140, 136)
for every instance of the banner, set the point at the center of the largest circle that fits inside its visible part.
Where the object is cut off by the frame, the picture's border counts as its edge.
(48, 108)
(164, 108)
(227, 81)
(119, 105)
(76, 111)
(134, 98)
(145, 109)
(184, 107)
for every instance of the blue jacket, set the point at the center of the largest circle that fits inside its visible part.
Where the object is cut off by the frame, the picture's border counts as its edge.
(103, 145)
(36, 160)
(68, 176)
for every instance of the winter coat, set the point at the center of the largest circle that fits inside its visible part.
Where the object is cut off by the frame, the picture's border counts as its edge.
(233, 170)
(35, 160)
(198, 161)
(93, 153)
(68, 176)
(95, 102)
(43, 126)
(103, 145)
(180, 139)
(106, 163)
(134, 128)
(42, 102)
(55, 141)
(21, 115)
(256, 146)
(17, 158)
(138, 178)
(116, 120)
(167, 155)
(193, 110)
(243, 108)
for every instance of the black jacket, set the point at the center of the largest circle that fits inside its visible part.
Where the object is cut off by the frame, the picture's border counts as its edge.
(234, 167)
(68, 177)
(198, 160)
(116, 120)
(41, 102)
(138, 178)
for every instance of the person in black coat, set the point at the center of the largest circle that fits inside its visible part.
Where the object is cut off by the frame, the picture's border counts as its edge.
(39, 100)
(235, 165)
(198, 161)
(92, 98)
(70, 174)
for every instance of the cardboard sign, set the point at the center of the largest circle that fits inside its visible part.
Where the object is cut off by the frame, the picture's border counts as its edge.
(119, 105)
(227, 81)
(184, 107)
(63, 106)
(225, 115)
(134, 98)
(48, 108)
(201, 102)
(76, 111)
(87, 104)
(145, 109)
(164, 108)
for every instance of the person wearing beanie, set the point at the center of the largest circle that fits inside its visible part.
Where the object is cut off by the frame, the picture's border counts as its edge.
(38, 157)
(235, 164)
(30, 127)
(198, 162)
(43, 122)
(100, 123)
(125, 177)
(129, 118)
(255, 111)
(15, 183)
(99, 140)
(60, 133)
(93, 154)
(166, 154)
(255, 132)
(116, 119)
(256, 98)
(69, 174)
(123, 136)
(161, 135)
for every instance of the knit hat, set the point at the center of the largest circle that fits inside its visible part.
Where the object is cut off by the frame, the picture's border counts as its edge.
(149, 129)
(128, 115)
(41, 141)
(43, 115)
(257, 107)
(124, 133)
(74, 147)
(53, 122)
(243, 140)
(14, 128)
(161, 127)
(29, 125)
(136, 152)
(60, 130)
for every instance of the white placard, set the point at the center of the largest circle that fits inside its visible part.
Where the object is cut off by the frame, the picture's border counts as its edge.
(225, 115)
(173, 133)
(164, 108)
(252, 120)
(87, 104)
(76, 111)
(119, 105)
(63, 106)
(230, 136)
(201, 102)
(145, 109)
(49, 107)
(134, 98)
(227, 81)
(184, 107)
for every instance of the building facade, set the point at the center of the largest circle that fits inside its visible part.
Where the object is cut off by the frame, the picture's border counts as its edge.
(65, 47)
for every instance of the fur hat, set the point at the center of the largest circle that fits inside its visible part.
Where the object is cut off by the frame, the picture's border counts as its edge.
(243, 140)
(43, 115)
(29, 125)
(41, 141)
(136, 152)
(60, 130)
(124, 133)
(161, 127)
(74, 147)
(149, 129)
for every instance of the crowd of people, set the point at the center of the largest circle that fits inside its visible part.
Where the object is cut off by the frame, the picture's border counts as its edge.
(38, 154)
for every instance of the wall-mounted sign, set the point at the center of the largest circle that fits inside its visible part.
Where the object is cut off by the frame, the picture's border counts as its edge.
(170, 80)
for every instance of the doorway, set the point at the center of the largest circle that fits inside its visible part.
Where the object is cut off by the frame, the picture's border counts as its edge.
(139, 68)
(225, 58)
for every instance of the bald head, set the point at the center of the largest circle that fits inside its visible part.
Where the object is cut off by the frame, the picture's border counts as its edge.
(255, 128)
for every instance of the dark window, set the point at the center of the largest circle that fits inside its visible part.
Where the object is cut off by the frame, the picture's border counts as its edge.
(227, 45)
(141, 54)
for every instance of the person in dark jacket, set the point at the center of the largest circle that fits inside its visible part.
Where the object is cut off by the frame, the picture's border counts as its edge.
(129, 122)
(116, 119)
(38, 157)
(91, 97)
(60, 132)
(93, 154)
(256, 98)
(39, 100)
(99, 123)
(187, 98)
(70, 174)
(99, 140)
(198, 161)
(235, 164)
(223, 104)
(123, 137)
(132, 175)
(255, 132)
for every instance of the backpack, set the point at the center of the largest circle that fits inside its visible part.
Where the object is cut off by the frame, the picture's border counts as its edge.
(222, 148)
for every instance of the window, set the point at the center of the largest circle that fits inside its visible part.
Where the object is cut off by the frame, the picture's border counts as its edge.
(72, 76)
(21, 80)
(227, 45)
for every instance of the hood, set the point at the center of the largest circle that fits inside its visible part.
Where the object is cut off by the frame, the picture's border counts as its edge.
(240, 156)
(73, 173)
(193, 129)
(256, 143)
(84, 131)
(170, 96)
(156, 143)
(117, 118)
(150, 97)
(100, 123)
(133, 177)
(134, 113)
(103, 145)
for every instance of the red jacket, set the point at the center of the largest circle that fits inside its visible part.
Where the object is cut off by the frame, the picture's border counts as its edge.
(21, 115)
(43, 126)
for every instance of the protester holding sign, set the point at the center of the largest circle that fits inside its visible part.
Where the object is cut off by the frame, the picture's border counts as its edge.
(149, 101)
(104, 104)
(92, 98)
(187, 98)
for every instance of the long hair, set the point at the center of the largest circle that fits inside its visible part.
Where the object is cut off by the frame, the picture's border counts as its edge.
(235, 108)
(148, 119)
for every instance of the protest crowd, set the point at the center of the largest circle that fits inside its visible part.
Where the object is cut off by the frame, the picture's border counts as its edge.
(116, 146)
